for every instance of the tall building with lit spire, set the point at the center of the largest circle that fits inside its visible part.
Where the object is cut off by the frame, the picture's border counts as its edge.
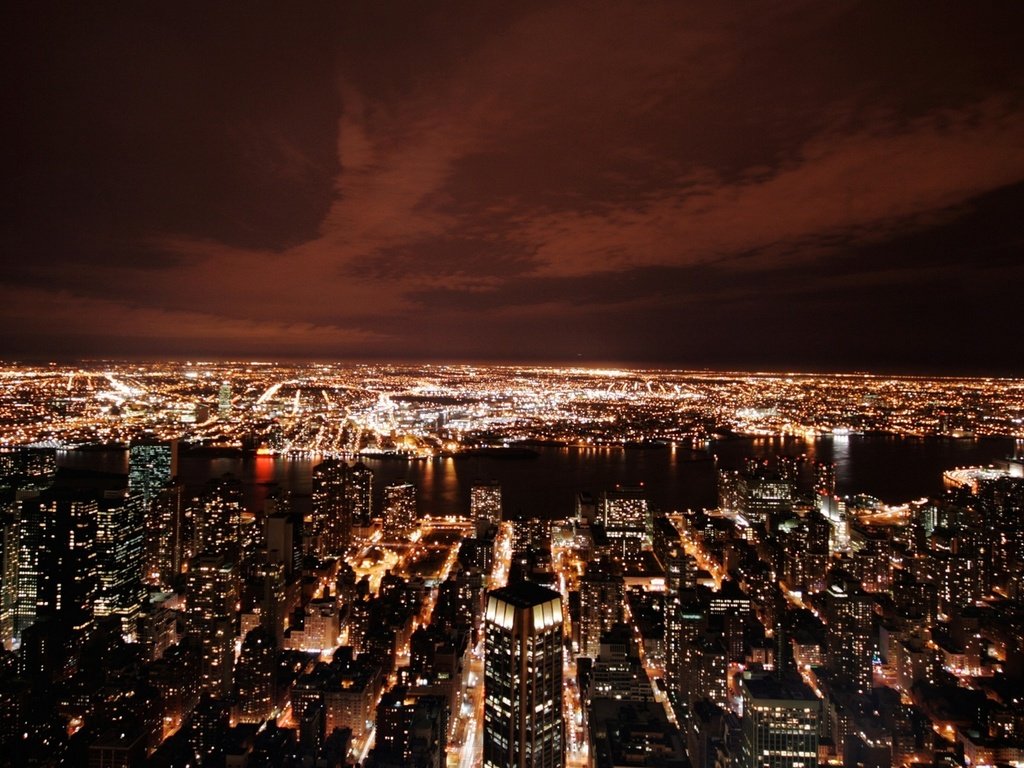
(523, 637)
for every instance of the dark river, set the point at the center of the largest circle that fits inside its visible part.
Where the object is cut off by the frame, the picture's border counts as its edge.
(895, 469)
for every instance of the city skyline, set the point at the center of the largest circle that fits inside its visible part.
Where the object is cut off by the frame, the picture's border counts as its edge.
(803, 187)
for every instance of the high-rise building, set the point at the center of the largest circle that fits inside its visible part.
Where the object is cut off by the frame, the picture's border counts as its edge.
(254, 678)
(627, 521)
(8, 576)
(219, 515)
(780, 723)
(331, 514)
(212, 609)
(760, 489)
(360, 498)
(224, 400)
(168, 538)
(119, 558)
(602, 598)
(485, 503)
(57, 571)
(151, 465)
(523, 722)
(667, 544)
(399, 509)
(411, 728)
(686, 619)
(849, 615)
(23, 468)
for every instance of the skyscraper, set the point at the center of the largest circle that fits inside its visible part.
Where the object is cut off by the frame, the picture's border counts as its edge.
(485, 502)
(360, 498)
(151, 465)
(168, 540)
(849, 615)
(255, 677)
(627, 521)
(602, 597)
(331, 518)
(523, 723)
(220, 518)
(119, 557)
(8, 576)
(57, 574)
(212, 610)
(399, 510)
(780, 723)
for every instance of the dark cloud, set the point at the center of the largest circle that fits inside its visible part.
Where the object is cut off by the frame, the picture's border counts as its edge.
(691, 183)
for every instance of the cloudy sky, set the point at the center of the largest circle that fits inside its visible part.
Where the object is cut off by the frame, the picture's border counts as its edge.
(805, 186)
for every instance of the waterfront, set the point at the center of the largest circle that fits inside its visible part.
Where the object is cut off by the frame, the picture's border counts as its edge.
(895, 469)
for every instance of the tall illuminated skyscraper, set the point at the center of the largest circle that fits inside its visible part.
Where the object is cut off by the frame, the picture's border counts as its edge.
(331, 516)
(119, 558)
(849, 613)
(627, 521)
(168, 540)
(602, 597)
(220, 518)
(485, 502)
(8, 576)
(523, 635)
(57, 571)
(399, 509)
(360, 498)
(151, 465)
(255, 677)
(212, 610)
(780, 723)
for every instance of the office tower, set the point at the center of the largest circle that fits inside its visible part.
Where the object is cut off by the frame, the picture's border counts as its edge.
(57, 572)
(267, 598)
(850, 649)
(485, 503)
(168, 539)
(331, 515)
(667, 544)
(806, 553)
(1000, 503)
(119, 558)
(284, 542)
(523, 723)
(760, 489)
(728, 611)
(399, 510)
(871, 557)
(224, 400)
(212, 610)
(686, 619)
(176, 678)
(254, 678)
(709, 659)
(23, 468)
(219, 515)
(151, 465)
(627, 521)
(602, 599)
(360, 498)
(825, 478)
(8, 576)
(780, 723)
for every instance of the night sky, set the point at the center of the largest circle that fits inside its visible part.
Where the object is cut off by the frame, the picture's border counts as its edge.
(801, 186)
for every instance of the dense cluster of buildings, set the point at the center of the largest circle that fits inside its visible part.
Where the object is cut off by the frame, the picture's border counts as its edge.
(145, 623)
